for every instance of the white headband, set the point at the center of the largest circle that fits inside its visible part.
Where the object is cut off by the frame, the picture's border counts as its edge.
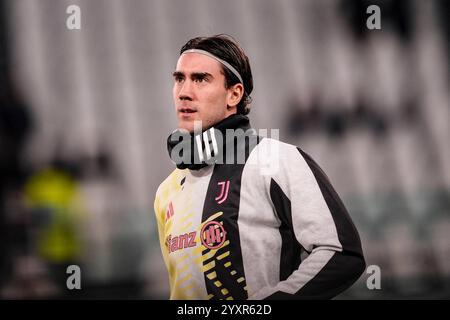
(226, 64)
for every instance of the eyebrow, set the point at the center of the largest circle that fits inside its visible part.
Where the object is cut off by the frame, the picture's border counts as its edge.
(194, 75)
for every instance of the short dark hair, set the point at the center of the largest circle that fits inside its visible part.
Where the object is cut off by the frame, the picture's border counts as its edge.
(226, 48)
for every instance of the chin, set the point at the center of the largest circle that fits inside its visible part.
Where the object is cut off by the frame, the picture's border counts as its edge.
(189, 125)
(186, 125)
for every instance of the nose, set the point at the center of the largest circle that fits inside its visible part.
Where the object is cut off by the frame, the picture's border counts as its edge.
(185, 92)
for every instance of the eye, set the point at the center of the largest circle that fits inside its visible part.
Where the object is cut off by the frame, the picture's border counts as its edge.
(178, 78)
(200, 80)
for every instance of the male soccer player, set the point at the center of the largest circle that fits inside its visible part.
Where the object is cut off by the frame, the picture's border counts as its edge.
(243, 216)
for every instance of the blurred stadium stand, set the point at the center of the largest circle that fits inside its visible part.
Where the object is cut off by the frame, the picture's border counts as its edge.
(94, 105)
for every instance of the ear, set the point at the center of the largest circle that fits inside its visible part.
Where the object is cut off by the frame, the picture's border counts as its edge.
(235, 94)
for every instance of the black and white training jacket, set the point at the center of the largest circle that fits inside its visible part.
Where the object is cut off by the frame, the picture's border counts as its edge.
(271, 226)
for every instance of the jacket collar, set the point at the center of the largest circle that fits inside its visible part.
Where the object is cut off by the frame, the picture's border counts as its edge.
(197, 150)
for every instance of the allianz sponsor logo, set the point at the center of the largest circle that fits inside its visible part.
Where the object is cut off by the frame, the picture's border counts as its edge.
(183, 241)
(212, 236)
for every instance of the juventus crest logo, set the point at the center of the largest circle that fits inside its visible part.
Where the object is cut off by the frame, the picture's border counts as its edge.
(225, 186)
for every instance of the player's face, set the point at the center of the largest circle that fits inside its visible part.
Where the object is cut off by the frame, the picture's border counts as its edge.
(199, 91)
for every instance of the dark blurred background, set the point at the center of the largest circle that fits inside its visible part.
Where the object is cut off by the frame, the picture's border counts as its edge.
(84, 115)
